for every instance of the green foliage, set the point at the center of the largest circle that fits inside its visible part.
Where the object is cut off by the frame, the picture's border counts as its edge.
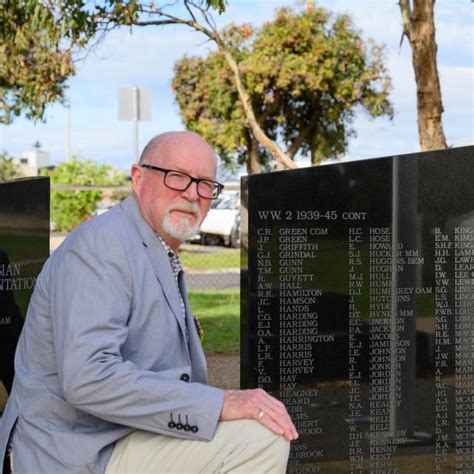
(35, 60)
(38, 38)
(69, 208)
(8, 169)
(218, 5)
(306, 73)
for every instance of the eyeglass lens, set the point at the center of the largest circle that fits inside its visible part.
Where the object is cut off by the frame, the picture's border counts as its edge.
(180, 182)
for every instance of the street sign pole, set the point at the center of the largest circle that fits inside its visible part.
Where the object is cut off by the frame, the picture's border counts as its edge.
(68, 123)
(135, 123)
(135, 106)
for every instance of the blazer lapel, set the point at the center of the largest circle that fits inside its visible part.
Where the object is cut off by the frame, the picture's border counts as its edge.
(198, 360)
(158, 257)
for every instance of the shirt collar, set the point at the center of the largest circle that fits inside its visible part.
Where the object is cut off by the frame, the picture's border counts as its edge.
(173, 257)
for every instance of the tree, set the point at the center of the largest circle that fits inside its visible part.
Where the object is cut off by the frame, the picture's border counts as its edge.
(79, 22)
(305, 75)
(8, 169)
(38, 39)
(37, 42)
(70, 208)
(36, 60)
(419, 28)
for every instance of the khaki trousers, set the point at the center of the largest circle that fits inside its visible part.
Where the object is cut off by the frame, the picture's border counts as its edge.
(242, 446)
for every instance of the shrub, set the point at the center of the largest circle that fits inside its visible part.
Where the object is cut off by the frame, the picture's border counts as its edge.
(70, 207)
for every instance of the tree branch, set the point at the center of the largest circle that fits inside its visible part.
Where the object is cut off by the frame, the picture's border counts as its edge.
(269, 110)
(295, 146)
(260, 135)
(405, 9)
(191, 14)
(154, 23)
(277, 153)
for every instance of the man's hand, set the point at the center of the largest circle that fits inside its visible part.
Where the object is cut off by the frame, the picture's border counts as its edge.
(258, 405)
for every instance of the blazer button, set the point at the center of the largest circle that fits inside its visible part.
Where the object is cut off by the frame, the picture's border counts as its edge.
(187, 427)
(184, 377)
(179, 426)
(172, 425)
(194, 429)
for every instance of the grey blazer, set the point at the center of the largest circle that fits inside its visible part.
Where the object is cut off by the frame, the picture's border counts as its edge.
(105, 350)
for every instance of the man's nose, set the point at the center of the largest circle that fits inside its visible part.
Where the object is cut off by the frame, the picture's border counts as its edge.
(191, 193)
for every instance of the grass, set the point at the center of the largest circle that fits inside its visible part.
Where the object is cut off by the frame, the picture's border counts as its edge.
(208, 261)
(3, 396)
(30, 251)
(219, 314)
(24, 247)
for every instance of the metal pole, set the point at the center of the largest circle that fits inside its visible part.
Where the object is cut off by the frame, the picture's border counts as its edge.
(68, 125)
(135, 123)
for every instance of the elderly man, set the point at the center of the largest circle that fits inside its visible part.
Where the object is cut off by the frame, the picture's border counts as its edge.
(110, 373)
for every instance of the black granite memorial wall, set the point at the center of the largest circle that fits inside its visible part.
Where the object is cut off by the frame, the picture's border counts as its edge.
(24, 247)
(358, 310)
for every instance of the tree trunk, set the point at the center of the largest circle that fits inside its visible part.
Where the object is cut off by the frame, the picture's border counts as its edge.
(316, 157)
(419, 28)
(272, 147)
(253, 165)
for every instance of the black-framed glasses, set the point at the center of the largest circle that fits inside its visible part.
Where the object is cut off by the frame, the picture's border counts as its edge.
(180, 181)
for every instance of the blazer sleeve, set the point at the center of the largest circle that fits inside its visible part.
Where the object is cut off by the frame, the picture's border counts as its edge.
(91, 293)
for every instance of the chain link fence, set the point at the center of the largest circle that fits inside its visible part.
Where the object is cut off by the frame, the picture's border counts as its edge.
(207, 267)
(211, 267)
(211, 263)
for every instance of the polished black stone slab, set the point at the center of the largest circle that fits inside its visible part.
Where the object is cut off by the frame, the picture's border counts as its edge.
(24, 247)
(358, 309)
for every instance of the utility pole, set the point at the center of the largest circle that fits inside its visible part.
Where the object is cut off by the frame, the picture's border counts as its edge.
(136, 115)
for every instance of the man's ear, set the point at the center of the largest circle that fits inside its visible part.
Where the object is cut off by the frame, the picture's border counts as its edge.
(137, 177)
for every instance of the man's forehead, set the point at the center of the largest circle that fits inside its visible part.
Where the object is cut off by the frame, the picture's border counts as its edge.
(185, 156)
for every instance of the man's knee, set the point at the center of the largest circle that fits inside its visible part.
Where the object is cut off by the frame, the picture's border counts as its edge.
(282, 445)
(279, 447)
(261, 431)
(253, 437)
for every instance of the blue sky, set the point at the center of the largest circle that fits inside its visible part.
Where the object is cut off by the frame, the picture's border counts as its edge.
(145, 58)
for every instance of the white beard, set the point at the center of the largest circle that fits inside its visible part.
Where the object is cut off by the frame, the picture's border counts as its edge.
(182, 229)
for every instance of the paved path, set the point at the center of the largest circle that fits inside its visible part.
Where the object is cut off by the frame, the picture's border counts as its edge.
(224, 369)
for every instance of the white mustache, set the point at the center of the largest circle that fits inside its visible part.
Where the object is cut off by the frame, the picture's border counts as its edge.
(182, 229)
(186, 206)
